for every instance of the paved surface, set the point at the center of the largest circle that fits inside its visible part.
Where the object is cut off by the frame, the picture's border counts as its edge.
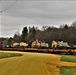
(32, 64)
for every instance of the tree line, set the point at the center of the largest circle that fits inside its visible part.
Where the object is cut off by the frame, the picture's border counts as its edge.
(65, 33)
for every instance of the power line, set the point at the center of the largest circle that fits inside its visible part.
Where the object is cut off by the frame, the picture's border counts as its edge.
(9, 6)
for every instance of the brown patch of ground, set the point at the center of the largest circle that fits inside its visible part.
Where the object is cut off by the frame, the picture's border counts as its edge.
(32, 64)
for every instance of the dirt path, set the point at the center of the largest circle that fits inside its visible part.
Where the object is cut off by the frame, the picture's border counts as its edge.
(32, 64)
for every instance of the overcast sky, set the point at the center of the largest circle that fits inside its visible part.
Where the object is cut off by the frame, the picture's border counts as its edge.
(34, 13)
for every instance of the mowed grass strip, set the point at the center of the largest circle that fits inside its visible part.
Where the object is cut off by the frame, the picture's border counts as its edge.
(7, 55)
(68, 58)
(68, 70)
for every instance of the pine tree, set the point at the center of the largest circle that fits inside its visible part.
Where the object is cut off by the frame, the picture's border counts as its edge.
(24, 34)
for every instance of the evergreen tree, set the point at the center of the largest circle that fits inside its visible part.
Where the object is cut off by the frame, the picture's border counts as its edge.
(10, 40)
(32, 33)
(17, 38)
(24, 34)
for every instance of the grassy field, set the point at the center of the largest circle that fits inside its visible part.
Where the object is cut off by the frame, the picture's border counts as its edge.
(68, 70)
(6, 55)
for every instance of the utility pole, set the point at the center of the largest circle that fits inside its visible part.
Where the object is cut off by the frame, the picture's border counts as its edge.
(0, 17)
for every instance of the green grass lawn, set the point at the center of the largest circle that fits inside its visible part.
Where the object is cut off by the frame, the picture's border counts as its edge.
(68, 70)
(6, 55)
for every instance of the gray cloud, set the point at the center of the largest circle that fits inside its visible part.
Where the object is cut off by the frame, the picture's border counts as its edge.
(38, 13)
